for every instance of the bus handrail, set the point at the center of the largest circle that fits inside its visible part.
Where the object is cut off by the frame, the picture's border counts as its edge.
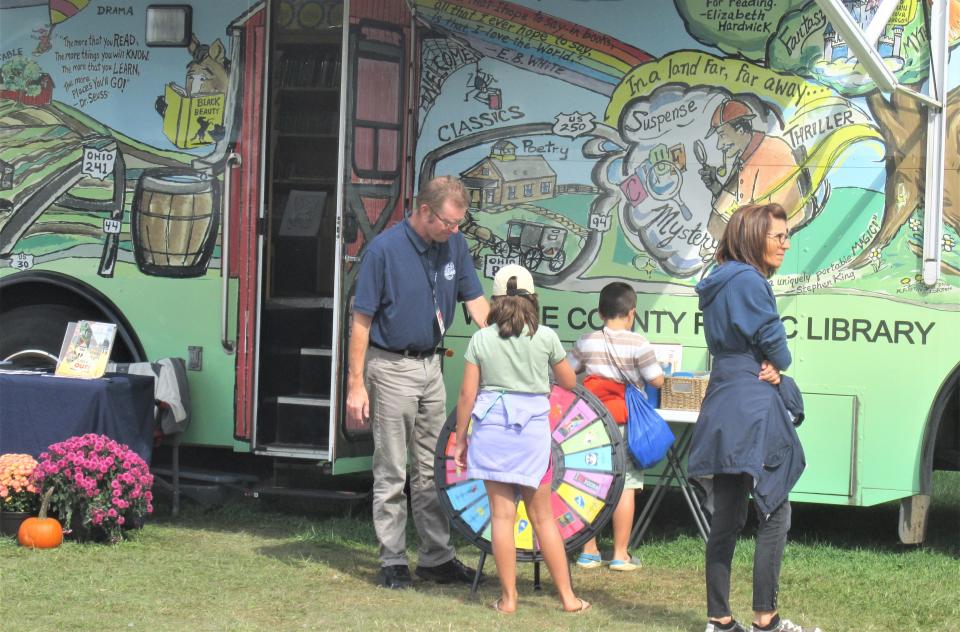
(233, 160)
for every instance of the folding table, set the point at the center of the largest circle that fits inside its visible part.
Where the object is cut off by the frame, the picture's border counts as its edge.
(674, 470)
(41, 409)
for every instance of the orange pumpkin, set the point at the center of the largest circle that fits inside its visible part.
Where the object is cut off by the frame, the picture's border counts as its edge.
(41, 532)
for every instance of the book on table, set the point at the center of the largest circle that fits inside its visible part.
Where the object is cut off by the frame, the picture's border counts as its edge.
(669, 355)
(86, 349)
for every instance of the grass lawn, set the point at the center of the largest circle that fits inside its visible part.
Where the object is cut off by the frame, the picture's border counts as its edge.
(253, 566)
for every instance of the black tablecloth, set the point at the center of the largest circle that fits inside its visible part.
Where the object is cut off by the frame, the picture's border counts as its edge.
(39, 410)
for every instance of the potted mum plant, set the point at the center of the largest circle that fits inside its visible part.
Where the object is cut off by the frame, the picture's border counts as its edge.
(101, 486)
(19, 497)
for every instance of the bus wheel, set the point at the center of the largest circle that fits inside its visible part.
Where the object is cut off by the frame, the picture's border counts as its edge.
(941, 451)
(31, 335)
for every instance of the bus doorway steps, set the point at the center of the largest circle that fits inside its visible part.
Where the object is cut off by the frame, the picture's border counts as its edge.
(296, 370)
(302, 484)
(295, 322)
(296, 363)
(319, 497)
(300, 421)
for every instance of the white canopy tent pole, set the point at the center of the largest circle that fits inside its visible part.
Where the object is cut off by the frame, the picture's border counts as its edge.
(936, 143)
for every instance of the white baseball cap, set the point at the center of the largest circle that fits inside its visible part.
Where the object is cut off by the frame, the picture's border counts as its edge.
(507, 272)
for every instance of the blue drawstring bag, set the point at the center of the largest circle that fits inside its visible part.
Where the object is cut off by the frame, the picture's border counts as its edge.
(648, 435)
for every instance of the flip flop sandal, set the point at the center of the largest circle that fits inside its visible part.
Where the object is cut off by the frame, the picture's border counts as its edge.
(624, 566)
(589, 560)
(496, 606)
(584, 606)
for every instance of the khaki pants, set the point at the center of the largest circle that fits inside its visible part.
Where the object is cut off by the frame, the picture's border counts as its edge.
(407, 411)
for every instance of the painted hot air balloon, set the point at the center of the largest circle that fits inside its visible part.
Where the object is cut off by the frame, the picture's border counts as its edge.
(60, 10)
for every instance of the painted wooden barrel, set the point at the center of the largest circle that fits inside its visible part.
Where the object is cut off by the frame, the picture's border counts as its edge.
(175, 217)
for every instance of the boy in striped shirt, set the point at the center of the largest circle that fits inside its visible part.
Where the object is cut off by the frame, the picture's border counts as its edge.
(610, 358)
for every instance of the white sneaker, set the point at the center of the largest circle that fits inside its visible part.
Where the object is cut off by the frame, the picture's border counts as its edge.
(786, 625)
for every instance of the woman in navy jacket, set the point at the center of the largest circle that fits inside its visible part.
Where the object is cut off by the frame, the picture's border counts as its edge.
(744, 442)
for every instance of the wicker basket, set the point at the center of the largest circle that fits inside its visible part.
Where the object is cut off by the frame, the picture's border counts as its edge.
(683, 393)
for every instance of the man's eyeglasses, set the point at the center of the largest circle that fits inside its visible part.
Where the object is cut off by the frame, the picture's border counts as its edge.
(447, 223)
(781, 238)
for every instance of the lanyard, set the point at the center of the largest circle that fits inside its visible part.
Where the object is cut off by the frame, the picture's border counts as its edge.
(432, 270)
(432, 273)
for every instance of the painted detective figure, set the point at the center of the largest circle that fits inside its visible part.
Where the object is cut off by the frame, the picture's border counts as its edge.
(764, 168)
(410, 279)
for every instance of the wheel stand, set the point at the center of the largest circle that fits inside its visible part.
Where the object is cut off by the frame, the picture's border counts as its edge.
(536, 574)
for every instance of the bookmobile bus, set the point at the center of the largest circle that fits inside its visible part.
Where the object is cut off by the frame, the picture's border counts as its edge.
(206, 176)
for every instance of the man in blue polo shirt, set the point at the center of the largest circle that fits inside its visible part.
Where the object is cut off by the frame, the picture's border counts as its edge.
(411, 277)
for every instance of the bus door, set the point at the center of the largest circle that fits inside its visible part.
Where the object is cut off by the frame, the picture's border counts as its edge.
(242, 163)
(379, 132)
(333, 143)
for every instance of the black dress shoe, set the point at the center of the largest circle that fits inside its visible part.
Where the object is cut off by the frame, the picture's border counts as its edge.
(395, 577)
(448, 572)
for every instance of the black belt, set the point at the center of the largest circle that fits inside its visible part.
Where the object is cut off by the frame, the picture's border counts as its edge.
(417, 354)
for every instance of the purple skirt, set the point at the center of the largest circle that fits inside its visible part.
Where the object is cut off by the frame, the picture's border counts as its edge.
(510, 438)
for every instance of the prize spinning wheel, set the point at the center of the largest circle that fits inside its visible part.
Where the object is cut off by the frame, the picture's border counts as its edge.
(588, 452)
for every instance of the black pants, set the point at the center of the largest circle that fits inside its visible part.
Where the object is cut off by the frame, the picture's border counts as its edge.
(730, 496)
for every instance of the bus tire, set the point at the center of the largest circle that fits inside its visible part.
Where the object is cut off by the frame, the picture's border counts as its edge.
(35, 310)
(939, 452)
(39, 327)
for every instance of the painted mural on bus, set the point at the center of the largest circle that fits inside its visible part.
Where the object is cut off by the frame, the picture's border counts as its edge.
(589, 155)
(112, 149)
(238, 160)
(594, 154)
